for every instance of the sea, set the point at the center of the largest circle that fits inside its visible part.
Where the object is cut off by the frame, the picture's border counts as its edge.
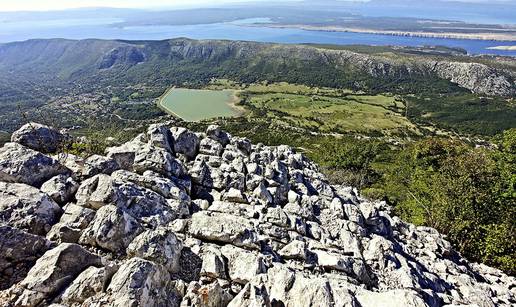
(108, 28)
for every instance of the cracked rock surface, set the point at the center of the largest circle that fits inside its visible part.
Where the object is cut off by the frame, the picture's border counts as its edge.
(177, 218)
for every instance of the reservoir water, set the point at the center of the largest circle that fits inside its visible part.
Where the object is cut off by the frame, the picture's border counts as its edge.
(195, 105)
(106, 29)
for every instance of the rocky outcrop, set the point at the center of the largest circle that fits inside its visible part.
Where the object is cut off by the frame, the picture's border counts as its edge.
(122, 56)
(208, 219)
(19, 251)
(53, 271)
(27, 208)
(60, 188)
(138, 282)
(21, 164)
(160, 245)
(476, 77)
(39, 137)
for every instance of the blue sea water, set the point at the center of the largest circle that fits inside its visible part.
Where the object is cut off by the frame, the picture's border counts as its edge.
(105, 29)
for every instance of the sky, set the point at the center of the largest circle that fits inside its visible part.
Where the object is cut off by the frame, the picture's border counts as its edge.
(48, 5)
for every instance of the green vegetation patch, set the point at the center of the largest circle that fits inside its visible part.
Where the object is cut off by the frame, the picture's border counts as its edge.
(4, 137)
(138, 111)
(467, 193)
(330, 111)
(463, 112)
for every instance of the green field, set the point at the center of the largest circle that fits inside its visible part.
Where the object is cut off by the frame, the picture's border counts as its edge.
(195, 105)
(329, 110)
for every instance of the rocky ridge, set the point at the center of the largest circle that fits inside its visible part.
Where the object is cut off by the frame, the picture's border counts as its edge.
(177, 218)
(476, 77)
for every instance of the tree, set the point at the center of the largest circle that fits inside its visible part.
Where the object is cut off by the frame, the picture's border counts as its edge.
(464, 192)
(350, 160)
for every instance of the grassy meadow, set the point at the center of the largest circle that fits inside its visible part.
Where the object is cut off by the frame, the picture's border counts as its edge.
(327, 110)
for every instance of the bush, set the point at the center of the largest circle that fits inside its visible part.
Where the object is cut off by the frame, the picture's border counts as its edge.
(350, 161)
(466, 193)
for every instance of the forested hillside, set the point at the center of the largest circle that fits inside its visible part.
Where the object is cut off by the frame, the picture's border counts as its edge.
(455, 91)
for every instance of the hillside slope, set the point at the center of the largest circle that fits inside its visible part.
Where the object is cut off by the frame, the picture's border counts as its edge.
(186, 60)
(177, 218)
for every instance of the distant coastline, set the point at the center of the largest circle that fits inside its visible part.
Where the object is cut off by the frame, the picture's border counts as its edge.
(506, 48)
(502, 37)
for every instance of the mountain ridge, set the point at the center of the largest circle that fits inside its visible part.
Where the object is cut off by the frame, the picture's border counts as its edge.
(79, 60)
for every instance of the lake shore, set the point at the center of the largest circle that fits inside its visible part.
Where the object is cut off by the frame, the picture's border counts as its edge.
(162, 106)
(488, 36)
(233, 103)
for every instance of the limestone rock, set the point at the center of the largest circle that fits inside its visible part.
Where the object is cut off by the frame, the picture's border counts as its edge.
(235, 195)
(148, 207)
(479, 78)
(89, 283)
(213, 262)
(211, 295)
(210, 147)
(111, 229)
(350, 265)
(60, 188)
(73, 221)
(392, 298)
(158, 160)
(242, 144)
(215, 133)
(243, 265)
(253, 294)
(96, 192)
(19, 251)
(20, 164)
(160, 136)
(166, 187)
(185, 142)
(216, 222)
(96, 164)
(74, 163)
(125, 154)
(223, 228)
(39, 137)
(139, 282)
(160, 246)
(294, 250)
(54, 270)
(289, 288)
(27, 208)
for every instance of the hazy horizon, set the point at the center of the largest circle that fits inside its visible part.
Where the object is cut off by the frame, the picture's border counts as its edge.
(42, 6)
(58, 5)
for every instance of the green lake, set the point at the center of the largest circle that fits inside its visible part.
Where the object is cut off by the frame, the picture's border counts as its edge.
(194, 105)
